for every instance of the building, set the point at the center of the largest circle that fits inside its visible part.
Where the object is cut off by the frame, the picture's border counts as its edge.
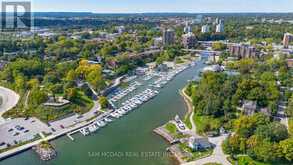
(189, 40)
(290, 63)
(187, 28)
(249, 107)
(197, 144)
(220, 28)
(120, 29)
(205, 29)
(158, 41)
(140, 71)
(243, 51)
(287, 39)
(213, 68)
(168, 37)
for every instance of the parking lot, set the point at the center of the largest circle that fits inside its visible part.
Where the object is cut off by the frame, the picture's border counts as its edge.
(20, 130)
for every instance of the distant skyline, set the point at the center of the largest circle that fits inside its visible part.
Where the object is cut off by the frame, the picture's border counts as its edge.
(147, 6)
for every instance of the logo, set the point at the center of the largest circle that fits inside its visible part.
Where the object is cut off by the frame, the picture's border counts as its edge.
(16, 16)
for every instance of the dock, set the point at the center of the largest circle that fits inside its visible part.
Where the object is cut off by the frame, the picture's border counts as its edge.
(70, 137)
(178, 153)
(163, 133)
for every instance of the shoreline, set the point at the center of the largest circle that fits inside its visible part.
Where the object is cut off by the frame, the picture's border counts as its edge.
(23, 148)
(165, 135)
(187, 100)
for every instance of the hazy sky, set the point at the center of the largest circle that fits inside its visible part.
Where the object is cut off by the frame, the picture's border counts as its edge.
(138, 6)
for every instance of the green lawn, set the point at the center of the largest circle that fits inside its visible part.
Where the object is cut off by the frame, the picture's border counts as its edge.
(46, 113)
(206, 123)
(171, 128)
(187, 121)
(196, 154)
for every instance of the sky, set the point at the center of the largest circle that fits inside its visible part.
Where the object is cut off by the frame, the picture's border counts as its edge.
(142, 6)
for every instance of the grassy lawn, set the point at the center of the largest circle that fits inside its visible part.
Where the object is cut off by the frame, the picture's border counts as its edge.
(187, 121)
(246, 160)
(46, 113)
(196, 154)
(172, 129)
(206, 123)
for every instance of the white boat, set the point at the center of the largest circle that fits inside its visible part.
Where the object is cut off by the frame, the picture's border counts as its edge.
(108, 120)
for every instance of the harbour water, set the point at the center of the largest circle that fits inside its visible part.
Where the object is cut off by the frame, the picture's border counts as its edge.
(126, 141)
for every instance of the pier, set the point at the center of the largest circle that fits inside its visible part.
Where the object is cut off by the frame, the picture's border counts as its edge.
(163, 133)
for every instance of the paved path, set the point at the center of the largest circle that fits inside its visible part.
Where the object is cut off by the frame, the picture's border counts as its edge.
(218, 155)
(193, 129)
(9, 100)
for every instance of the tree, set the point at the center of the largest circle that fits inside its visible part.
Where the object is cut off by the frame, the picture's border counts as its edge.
(37, 97)
(245, 65)
(274, 132)
(218, 46)
(71, 94)
(20, 83)
(103, 102)
(262, 150)
(33, 83)
(286, 147)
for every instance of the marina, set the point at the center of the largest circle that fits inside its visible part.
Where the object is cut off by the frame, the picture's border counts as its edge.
(133, 136)
(138, 92)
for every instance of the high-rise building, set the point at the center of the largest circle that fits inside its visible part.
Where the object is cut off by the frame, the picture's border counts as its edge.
(205, 29)
(220, 28)
(242, 51)
(187, 28)
(287, 39)
(189, 40)
(168, 37)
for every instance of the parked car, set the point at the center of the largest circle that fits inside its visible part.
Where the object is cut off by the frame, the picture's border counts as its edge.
(15, 134)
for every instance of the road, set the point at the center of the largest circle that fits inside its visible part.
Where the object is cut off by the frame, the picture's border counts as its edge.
(9, 100)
